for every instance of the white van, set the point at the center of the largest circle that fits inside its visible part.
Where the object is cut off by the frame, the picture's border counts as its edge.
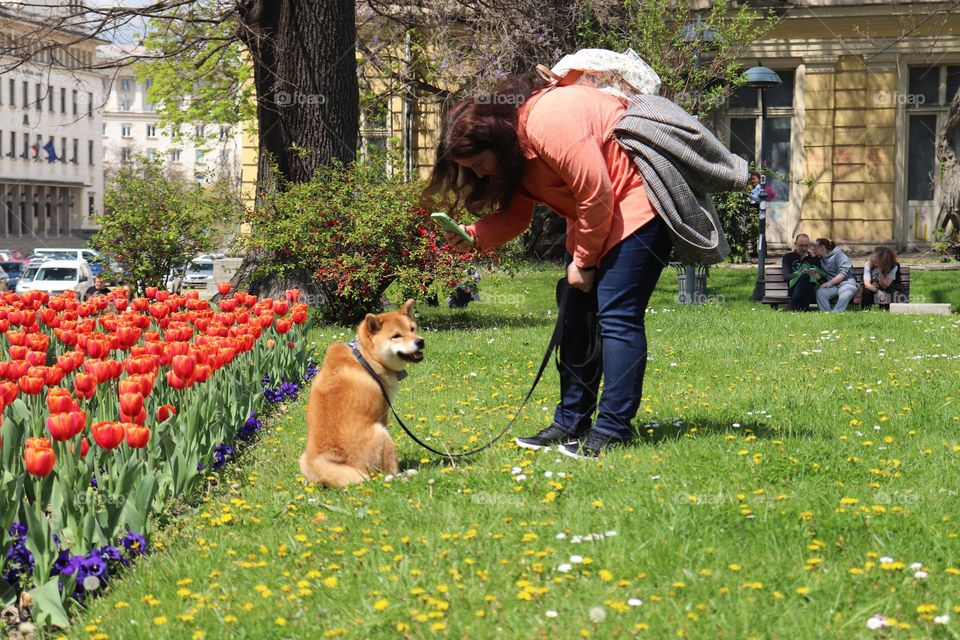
(57, 276)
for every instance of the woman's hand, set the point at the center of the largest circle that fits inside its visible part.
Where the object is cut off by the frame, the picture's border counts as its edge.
(579, 278)
(456, 242)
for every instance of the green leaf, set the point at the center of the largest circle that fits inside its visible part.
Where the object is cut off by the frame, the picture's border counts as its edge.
(48, 605)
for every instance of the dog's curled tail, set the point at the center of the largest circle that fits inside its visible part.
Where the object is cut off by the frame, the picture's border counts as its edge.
(320, 468)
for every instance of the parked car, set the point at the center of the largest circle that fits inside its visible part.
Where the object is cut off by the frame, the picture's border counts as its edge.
(199, 273)
(57, 276)
(13, 269)
(27, 274)
(4, 280)
(10, 255)
(89, 255)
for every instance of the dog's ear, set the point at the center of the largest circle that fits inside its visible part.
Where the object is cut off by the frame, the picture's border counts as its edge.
(407, 308)
(372, 323)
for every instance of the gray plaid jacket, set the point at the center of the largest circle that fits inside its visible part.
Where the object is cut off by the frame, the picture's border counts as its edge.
(681, 163)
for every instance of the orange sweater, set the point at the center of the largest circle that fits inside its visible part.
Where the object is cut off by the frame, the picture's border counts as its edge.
(577, 168)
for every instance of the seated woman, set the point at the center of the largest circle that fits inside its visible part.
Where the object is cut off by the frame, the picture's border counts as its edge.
(840, 284)
(881, 279)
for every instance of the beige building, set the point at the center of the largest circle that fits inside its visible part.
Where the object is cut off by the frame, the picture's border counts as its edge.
(51, 171)
(866, 86)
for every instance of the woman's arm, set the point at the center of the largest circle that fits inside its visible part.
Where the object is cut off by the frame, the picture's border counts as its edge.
(500, 227)
(886, 280)
(868, 278)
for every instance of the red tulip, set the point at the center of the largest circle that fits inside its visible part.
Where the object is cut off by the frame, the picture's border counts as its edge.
(137, 435)
(183, 366)
(131, 403)
(299, 316)
(63, 426)
(224, 288)
(8, 392)
(59, 400)
(151, 292)
(292, 294)
(174, 381)
(128, 336)
(283, 325)
(84, 385)
(165, 411)
(31, 385)
(107, 435)
(38, 457)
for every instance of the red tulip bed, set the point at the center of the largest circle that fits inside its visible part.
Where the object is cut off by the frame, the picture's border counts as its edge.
(112, 410)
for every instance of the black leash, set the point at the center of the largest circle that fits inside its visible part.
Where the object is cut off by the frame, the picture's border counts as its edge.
(554, 344)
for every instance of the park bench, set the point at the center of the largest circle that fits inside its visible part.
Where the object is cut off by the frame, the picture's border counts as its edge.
(775, 287)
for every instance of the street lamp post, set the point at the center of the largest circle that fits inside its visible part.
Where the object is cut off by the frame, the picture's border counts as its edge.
(695, 32)
(761, 78)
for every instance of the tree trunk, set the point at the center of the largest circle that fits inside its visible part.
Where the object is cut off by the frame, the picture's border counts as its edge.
(305, 74)
(948, 218)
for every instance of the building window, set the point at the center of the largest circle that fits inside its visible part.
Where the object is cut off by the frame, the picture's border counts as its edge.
(151, 154)
(63, 100)
(126, 129)
(125, 104)
(63, 149)
(103, 128)
(224, 133)
(26, 95)
(375, 128)
(147, 104)
(13, 92)
(744, 123)
(151, 131)
(13, 145)
(90, 152)
(201, 156)
(50, 94)
(125, 84)
(175, 155)
(26, 147)
(199, 130)
(75, 158)
(38, 103)
(125, 154)
(75, 108)
(89, 104)
(930, 91)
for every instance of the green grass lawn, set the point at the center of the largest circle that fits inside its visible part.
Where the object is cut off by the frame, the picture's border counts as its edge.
(796, 475)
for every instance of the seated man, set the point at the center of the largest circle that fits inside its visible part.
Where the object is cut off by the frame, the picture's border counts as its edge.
(801, 270)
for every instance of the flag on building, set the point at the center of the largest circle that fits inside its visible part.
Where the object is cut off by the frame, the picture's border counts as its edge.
(51, 151)
(36, 151)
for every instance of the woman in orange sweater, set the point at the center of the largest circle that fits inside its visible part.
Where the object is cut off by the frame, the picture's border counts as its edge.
(524, 144)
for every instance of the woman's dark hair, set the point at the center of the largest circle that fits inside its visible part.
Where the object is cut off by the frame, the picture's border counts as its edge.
(826, 243)
(884, 258)
(485, 122)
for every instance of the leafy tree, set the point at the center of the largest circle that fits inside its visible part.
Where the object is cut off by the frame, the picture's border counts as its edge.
(155, 221)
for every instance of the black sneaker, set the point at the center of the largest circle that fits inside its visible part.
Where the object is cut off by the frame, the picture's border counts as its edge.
(554, 434)
(590, 447)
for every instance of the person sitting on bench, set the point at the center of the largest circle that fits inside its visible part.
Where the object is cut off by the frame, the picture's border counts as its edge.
(800, 269)
(840, 284)
(881, 279)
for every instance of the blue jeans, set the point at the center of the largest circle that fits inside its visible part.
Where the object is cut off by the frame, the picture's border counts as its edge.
(626, 277)
(843, 293)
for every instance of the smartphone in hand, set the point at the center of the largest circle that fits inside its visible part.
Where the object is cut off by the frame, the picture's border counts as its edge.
(448, 224)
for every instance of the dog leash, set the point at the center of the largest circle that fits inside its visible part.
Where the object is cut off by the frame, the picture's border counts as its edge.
(554, 344)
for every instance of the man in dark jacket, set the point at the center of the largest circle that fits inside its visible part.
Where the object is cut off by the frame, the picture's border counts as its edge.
(800, 267)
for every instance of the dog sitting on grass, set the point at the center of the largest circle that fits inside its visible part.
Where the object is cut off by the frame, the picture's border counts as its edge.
(347, 438)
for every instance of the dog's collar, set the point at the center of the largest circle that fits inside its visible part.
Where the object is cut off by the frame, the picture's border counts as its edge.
(355, 347)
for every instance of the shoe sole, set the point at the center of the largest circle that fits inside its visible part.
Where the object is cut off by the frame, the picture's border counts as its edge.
(537, 447)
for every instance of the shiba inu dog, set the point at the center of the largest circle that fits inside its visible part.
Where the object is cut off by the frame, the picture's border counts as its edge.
(347, 413)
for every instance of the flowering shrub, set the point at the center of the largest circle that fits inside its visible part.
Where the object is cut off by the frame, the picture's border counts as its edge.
(355, 233)
(109, 411)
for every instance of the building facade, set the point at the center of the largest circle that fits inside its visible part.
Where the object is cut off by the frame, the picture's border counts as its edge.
(51, 170)
(850, 132)
(131, 128)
